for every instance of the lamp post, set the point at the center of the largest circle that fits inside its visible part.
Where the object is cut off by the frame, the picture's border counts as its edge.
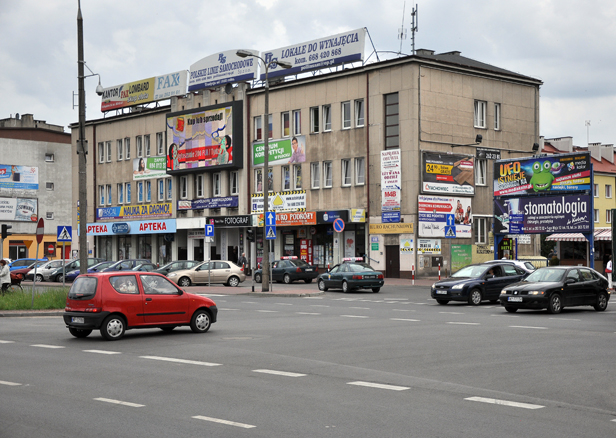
(265, 277)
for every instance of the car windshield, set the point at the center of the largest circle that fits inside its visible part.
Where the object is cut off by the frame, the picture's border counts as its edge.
(37, 264)
(355, 267)
(544, 275)
(84, 288)
(473, 271)
(102, 265)
(530, 266)
(300, 263)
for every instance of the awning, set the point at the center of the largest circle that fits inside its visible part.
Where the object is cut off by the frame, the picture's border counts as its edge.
(603, 234)
(599, 234)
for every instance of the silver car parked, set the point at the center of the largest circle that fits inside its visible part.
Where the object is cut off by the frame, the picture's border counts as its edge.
(44, 271)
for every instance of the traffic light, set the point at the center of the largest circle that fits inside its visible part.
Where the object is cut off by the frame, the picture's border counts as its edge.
(250, 236)
(5, 231)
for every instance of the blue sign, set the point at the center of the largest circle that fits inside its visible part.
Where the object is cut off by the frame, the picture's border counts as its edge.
(200, 204)
(270, 219)
(209, 230)
(270, 232)
(339, 225)
(388, 217)
(450, 232)
(120, 228)
(451, 220)
(65, 233)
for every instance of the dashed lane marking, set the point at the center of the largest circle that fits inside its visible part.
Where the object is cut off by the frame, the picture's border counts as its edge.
(404, 319)
(119, 402)
(227, 422)
(279, 373)
(307, 313)
(379, 386)
(528, 327)
(495, 401)
(284, 304)
(464, 323)
(354, 316)
(2, 382)
(47, 346)
(268, 311)
(7, 342)
(566, 319)
(102, 352)
(360, 308)
(185, 361)
(453, 313)
(318, 305)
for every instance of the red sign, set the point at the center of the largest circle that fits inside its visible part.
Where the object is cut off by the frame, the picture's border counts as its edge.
(51, 248)
(300, 218)
(40, 230)
(305, 250)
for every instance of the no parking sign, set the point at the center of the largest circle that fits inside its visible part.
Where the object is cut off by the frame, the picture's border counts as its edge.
(339, 225)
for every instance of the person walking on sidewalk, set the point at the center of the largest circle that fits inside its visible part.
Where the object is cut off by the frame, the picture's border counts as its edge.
(608, 272)
(241, 261)
(5, 275)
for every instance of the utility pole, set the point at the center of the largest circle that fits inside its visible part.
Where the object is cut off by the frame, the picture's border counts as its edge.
(81, 150)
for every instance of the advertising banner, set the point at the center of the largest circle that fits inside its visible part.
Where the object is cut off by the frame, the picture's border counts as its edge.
(144, 91)
(294, 200)
(207, 138)
(200, 204)
(390, 170)
(461, 256)
(428, 246)
(18, 209)
(222, 68)
(283, 151)
(435, 213)
(161, 209)
(544, 214)
(390, 200)
(316, 54)
(18, 177)
(542, 175)
(149, 168)
(407, 246)
(448, 174)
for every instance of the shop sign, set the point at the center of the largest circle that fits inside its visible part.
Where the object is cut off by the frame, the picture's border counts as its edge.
(230, 221)
(327, 217)
(161, 209)
(407, 246)
(196, 234)
(399, 228)
(374, 246)
(294, 200)
(358, 215)
(295, 219)
(523, 239)
(120, 228)
(390, 170)
(135, 227)
(200, 204)
(390, 217)
(429, 246)
(448, 174)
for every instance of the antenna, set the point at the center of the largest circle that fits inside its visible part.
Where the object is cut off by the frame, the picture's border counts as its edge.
(414, 25)
(587, 123)
(402, 30)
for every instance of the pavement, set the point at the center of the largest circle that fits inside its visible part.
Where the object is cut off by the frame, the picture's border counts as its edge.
(247, 288)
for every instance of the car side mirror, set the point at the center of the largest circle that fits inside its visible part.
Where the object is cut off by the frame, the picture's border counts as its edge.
(569, 281)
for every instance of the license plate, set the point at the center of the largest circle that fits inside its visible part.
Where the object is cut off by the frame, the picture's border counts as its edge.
(309, 270)
(77, 320)
(515, 299)
(369, 276)
(441, 292)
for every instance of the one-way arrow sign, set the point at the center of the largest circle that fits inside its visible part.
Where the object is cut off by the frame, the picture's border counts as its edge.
(271, 219)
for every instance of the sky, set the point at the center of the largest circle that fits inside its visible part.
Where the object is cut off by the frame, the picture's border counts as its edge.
(569, 45)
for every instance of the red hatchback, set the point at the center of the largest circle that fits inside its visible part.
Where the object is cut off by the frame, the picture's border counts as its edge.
(118, 301)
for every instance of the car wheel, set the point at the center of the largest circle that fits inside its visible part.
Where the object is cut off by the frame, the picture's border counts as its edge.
(59, 278)
(555, 304)
(376, 290)
(308, 280)
(321, 285)
(287, 278)
(345, 287)
(184, 282)
(167, 329)
(233, 281)
(39, 278)
(511, 309)
(79, 333)
(601, 304)
(474, 297)
(113, 328)
(258, 278)
(442, 302)
(200, 322)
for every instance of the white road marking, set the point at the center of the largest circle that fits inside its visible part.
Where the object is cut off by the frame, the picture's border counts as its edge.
(318, 305)
(47, 346)
(420, 304)
(189, 362)
(119, 402)
(284, 304)
(313, 298)
(528, 327)
(354, 316)
(360, 308)
(379, 385)
(102, 351)
(268, 311)
(454, 313)
(495, 401)
(2, 382)
(404, 319)
(249, 302)
(227, 422)
(566, 319)
(279, 373)
(307, 313)
(464, 323)
(394, 299)
(7, 342)
(227, 309)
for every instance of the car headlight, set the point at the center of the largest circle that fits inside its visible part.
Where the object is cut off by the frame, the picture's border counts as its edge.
(458, 286)
(434, 286)
(535, 292)
(503, 292)
(173, 274)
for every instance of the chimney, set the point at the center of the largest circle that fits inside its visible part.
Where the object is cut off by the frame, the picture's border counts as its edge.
(424, 52)
(563, 144)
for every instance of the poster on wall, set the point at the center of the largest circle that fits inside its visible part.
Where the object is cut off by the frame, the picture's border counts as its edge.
(349, 243)
(18, 209)
(18, 177)
(390, 170)
(436, 212)
(428, 246)
(448, 174)
(149, 168)
(284, 151)
(461, 256)
(407, 246)
(542, 175)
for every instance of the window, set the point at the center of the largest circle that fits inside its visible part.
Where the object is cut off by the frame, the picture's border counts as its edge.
(270, 179)
(359, 113)
(314, 120)
(286, 124)
(108, 194)
(127, 148)
(199, 186)
(481, 172)
(161, 189)
(297, 176)
(140, 191)
(608, 191)
(258, 128)
(327, 118)
(286, 178)
(148, 191)
(216, 188)
(108, 151)
(234, 188)
(146, 143)
(360, 175)
(595, 190)
(608, 216)
(480, 113)
(497, 116)
(315, 175)
(480, 229)
(392, 129)
(596, 215)
(297, 122)
(160, 144)
(327, 174)
(183, 187)
(49, 186)
(139, 146)
(346, 115)
(101, 195)
(49, 215)
(121, 193)
(169, 189)
(127, 191)
(346, 173)
(259, 180)
(49, 158)
(120, 150)
(101, 152)
(270, 128)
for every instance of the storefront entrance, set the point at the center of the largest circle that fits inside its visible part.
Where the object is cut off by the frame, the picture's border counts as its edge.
(392, 261)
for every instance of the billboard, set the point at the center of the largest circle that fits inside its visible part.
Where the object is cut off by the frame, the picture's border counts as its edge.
(283, 151)
(203, 203)
(543, 214)
(293, 200)
(18, 177)
(390, 170)
(222, 68)
(159, 210)
(18, 209)
(316, 54)
(542, 175)
(205, 139)
(448, 174)
(144, 91)
(149, 168)
(437, 212)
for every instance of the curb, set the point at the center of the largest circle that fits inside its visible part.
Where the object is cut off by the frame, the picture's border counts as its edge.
(8, 314)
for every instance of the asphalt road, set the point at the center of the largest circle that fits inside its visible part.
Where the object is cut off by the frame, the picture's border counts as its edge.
(393, 364)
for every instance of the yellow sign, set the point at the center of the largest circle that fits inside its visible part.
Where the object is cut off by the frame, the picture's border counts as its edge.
(442, 169)
(396, 228)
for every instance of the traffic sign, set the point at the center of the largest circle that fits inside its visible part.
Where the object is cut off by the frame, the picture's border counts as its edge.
(339, 225)
(40, 230)
(451, 220)
(270, 219)
(65, 233)
(450, 231)
(209, 230)
(270, 232)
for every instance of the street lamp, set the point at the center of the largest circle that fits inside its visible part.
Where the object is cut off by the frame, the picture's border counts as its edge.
(265, 277)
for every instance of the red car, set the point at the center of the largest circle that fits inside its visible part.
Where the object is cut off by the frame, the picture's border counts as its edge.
(114, 302)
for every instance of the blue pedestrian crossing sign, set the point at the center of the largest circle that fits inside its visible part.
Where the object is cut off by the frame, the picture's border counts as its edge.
(209, 231)
(65, 233)
(450, 231)
(270, 233)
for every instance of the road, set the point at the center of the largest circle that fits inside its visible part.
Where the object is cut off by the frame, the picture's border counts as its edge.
(393, 364)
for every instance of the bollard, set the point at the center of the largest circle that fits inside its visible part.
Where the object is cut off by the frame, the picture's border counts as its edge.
(413, 274)
(439, 272)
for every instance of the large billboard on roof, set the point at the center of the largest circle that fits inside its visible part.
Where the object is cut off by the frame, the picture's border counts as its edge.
(144, 91)
(222, 68)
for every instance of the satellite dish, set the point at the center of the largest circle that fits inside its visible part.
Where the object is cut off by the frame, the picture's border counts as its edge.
(228, 88)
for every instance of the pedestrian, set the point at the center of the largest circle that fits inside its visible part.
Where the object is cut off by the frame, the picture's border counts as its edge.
(608, 272)
(5, 275)
(241, 261)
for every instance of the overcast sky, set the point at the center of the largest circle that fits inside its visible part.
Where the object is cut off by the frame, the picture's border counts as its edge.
(569, 45)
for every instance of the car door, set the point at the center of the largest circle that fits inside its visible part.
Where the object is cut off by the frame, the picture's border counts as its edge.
(278, 269)
(129, 298)
(573, 290)
(223, 270)
(339, 275)
(202, 273)
(164, 303)
(589, 287)
(327, 278)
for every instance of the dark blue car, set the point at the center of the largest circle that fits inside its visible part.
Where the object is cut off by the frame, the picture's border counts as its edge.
(71, 276)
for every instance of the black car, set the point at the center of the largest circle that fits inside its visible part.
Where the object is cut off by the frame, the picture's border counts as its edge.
(478, 282)
(58, 273)
(556, 287)
(125, 265)
(350, 276)
(289, 269)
